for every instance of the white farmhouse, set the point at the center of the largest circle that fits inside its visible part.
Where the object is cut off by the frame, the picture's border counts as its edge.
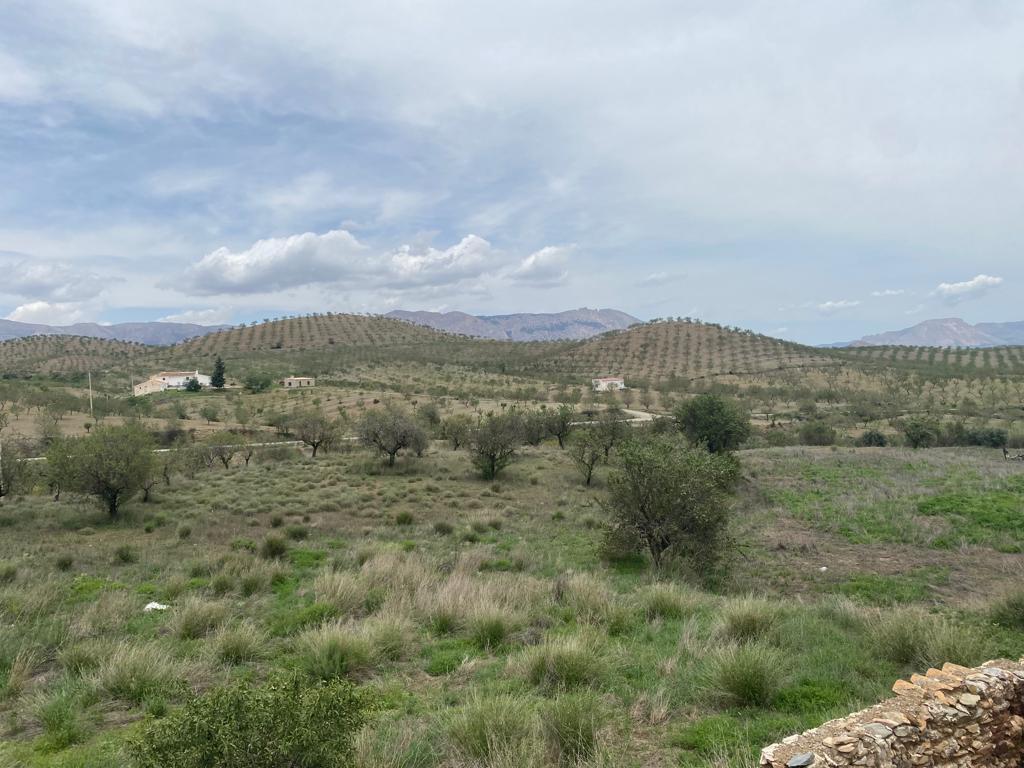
(298, 382)
(164, 380)
(608, 383)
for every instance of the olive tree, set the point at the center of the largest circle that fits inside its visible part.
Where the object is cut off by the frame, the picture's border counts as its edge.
(314, 428)
(391, 430)
(715, 421)
(560, 423)
(112, 464)
(586, 450)
(672, 500)
(457, 429)
(494, 443)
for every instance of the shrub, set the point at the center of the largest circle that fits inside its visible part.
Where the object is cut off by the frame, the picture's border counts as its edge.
(297, 532)
(443, 528)
(570, 726)
(714, 421)
(746, 675)
(496, 730)
(8, 573)
(873, 439)
(404, 518)
(287, 721)
(184, 532)
(125, 555)
(273, 548)
(135, 673)
(562, 663)
(673, 500)
(334, 650)
(817, 433)
(64, 562)
(919, 432)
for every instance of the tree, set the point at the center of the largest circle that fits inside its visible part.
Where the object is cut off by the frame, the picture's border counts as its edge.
(494, 443)
(111, 464)
(919, 432)
(390, 430)
(257, 382)
(560, 423)
(586, 449)
(457, 429)
(314, 429)
(193, 385)
(720, 424)
(673, 500)
(611, 429)
(210, 412)
(223, 446)
(217, 380)
(15, 471)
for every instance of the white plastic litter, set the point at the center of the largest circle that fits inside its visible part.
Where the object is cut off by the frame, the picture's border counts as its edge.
(155, 607)
(823, 568)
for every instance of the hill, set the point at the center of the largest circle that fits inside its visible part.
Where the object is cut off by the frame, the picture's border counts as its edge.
(66, 354)
(572, 324)
(143, 333)
(661, 350)
(948, 332)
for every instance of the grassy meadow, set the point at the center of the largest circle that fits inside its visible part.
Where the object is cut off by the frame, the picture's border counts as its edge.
(487, 618)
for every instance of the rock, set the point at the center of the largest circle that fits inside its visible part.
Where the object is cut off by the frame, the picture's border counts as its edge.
(154, 606)
(969, 699)
(800, 761)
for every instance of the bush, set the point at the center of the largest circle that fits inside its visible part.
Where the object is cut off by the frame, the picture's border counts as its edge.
(273, 548)
(443, 528)
(8, 573)
(817, 433)
(873, 439)
(125, 555)
(285, 722)
(714, 421)
(919, 432)
(745, 675)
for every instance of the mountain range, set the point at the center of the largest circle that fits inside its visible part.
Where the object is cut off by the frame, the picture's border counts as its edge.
(946, 332)
(144, 333)
(573, 324)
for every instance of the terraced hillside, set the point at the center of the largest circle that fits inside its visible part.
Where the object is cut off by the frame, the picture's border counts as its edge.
(661, 350)
(66, 354)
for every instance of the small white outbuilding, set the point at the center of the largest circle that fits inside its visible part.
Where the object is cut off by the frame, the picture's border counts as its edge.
(608, 383)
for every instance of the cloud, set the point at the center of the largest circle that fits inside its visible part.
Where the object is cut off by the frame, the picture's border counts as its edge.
(544, 268)
(334, 258)
(954, 293)
(888, 292)
(200, 317)
(61, 313)
(50, 281)
(831, 307)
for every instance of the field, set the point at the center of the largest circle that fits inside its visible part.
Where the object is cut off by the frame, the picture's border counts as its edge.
(470, 605)
(491, 622)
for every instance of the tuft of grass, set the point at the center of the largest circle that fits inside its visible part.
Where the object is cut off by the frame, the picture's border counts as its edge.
(571, 725)
(496, 731)
(334, 650)
(391, 745)
(404, 518)
(748, 619)
(273, 548)
(342, 589)
(563, 663)
(135, 673)
(667, 601)
(443, 528)
(60, 715)
(489, 628)
(1008, 610)
(8, 573)
(19, 673)
(240, 644)
(196, 618)
(750, 674)
(125, 555)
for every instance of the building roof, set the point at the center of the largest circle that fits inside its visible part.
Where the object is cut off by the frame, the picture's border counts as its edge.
(608, 378)
(174, 373)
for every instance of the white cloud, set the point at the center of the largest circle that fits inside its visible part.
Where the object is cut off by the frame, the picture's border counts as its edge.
(50, 281)
(17, 83)
(200, 317)
(888, 292)
(546, 267)
(954, 293)
(336, 258)
(61, 313)
(831, 307)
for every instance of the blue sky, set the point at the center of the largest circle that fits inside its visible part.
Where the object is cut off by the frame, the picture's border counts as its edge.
(813, 170)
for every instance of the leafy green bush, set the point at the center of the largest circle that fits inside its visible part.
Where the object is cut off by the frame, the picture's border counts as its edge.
(817, 433)
(284, 723)
(873, 439)
(273, 548)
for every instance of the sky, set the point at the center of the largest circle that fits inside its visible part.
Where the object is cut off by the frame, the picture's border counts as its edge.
(816, 171)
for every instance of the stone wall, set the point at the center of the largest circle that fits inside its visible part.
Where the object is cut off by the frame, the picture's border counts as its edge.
(954, 717)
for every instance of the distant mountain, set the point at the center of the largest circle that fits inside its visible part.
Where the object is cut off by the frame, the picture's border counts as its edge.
(144, 333)
(572, 324)
(947, 332)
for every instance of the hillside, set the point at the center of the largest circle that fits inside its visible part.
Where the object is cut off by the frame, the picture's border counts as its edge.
(999, 360)
(66, 354)
(143, 333)
(660, 350)
(948, 332)
(573, 324)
